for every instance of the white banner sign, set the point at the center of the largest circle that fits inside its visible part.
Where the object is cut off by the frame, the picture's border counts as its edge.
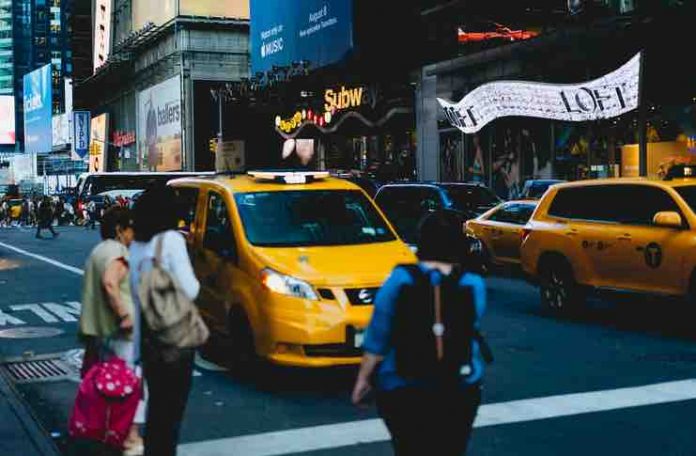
(609, 96)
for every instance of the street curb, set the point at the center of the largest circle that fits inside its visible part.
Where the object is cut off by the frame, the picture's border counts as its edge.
(35, 432)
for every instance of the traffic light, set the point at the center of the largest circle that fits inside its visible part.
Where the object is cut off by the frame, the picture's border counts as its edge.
(212, 145)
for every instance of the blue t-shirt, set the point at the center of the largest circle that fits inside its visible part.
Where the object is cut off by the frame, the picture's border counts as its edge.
(378, 336)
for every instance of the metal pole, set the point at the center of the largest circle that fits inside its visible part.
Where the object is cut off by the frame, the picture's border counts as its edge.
(642, 121)
(219, 116)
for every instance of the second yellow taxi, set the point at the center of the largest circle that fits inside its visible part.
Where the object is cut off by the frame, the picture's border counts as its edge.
(628, 234)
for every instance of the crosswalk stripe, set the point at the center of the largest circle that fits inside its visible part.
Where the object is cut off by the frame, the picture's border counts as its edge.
(371, 431)
(55, 263)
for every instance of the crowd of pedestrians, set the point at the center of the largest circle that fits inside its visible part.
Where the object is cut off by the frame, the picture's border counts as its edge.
(46, 212)
(424, 358)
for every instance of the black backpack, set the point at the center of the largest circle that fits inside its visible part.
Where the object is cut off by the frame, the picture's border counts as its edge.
(420, 354)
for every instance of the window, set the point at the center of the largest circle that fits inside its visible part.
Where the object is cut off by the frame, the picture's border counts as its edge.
(688, 193)
(471, 197)
(613, 203)
(517, 214)
(218, 228)
(584, 203)
(311, 218)
(187, 198)
(652, 200)
(406, 206)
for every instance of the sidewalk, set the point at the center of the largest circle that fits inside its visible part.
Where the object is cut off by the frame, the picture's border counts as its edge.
(20, 434)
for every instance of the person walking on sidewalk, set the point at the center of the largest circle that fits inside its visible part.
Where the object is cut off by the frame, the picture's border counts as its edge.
(168, 370)
(91, 210)
(106, 321)
(424, 346)
(45, 218)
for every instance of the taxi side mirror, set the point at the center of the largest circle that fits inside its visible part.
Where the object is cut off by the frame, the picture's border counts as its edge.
(668, 219)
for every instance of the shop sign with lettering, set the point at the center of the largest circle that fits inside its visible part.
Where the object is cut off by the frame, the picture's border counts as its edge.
(122, 138)
(609, 96)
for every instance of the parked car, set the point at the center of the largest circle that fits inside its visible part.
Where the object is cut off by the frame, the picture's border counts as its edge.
(535, 188)
(406, 204)
(621, 234)
(500, 231)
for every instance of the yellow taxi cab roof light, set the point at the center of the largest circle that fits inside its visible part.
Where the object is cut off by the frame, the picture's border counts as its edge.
(289, 176)
(681, 172)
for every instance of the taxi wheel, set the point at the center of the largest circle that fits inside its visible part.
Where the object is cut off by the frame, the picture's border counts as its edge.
(242, 347)
(559, 291)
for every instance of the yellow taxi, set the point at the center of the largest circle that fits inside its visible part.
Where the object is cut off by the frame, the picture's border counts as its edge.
(15, 209)
(289, 263)
(622, 234)
(500, 231)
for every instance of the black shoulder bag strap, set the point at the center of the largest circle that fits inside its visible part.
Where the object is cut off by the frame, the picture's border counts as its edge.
(486, 352)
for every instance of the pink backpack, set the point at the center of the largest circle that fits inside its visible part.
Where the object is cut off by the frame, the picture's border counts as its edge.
(106, 403)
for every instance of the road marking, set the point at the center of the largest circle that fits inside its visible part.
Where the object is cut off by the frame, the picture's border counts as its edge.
(371, 431)
(66, 312)
(47, 312)
(37, 310)
(55, 263)
(9, 319)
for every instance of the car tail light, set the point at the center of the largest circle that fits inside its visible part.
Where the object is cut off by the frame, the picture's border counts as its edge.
(524, 234)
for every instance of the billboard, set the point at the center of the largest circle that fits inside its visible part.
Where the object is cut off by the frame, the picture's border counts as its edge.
(102, 32)
(7, 119)
(159, 12)
(162, 11)
(238, 9)
(38, 110)
(159, 126)
(98, 144)
(609, 96)
(283, 32)
(61, 130)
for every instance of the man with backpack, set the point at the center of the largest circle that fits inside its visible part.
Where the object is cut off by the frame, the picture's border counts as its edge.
(423, 344)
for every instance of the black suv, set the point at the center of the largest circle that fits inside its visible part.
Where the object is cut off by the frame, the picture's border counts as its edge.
(406, 204)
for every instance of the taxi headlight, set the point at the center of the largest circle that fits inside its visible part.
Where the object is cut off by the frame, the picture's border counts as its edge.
(286, 285)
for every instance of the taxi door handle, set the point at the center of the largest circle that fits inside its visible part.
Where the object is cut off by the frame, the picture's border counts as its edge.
(625, 237)
(572, 232)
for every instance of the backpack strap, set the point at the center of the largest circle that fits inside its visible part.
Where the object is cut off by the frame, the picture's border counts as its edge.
(486, 352)
(158, 249)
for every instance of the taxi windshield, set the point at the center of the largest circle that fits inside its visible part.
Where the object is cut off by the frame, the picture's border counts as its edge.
(689, 195)
(311, 218)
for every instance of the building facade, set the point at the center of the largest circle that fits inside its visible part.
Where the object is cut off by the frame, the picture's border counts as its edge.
(33, 33)
(160, 56)
(570, 50)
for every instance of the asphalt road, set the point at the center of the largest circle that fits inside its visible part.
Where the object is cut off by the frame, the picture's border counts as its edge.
(620, 342)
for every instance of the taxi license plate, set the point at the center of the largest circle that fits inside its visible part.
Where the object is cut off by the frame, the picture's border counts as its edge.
(359, 338)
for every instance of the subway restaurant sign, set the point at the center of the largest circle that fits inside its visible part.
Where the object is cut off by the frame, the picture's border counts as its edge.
(609, 96)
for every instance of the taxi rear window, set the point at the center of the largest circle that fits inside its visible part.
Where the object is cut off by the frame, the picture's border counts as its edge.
(311, 218)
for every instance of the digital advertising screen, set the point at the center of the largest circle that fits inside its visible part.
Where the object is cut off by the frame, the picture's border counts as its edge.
(283, 32)
(38, 111)
(7, 120)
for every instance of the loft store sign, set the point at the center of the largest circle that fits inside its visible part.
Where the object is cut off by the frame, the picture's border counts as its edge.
(609, 96)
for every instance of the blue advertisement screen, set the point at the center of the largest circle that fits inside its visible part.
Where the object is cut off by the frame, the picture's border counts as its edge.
(287, 31)
(38, 111)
